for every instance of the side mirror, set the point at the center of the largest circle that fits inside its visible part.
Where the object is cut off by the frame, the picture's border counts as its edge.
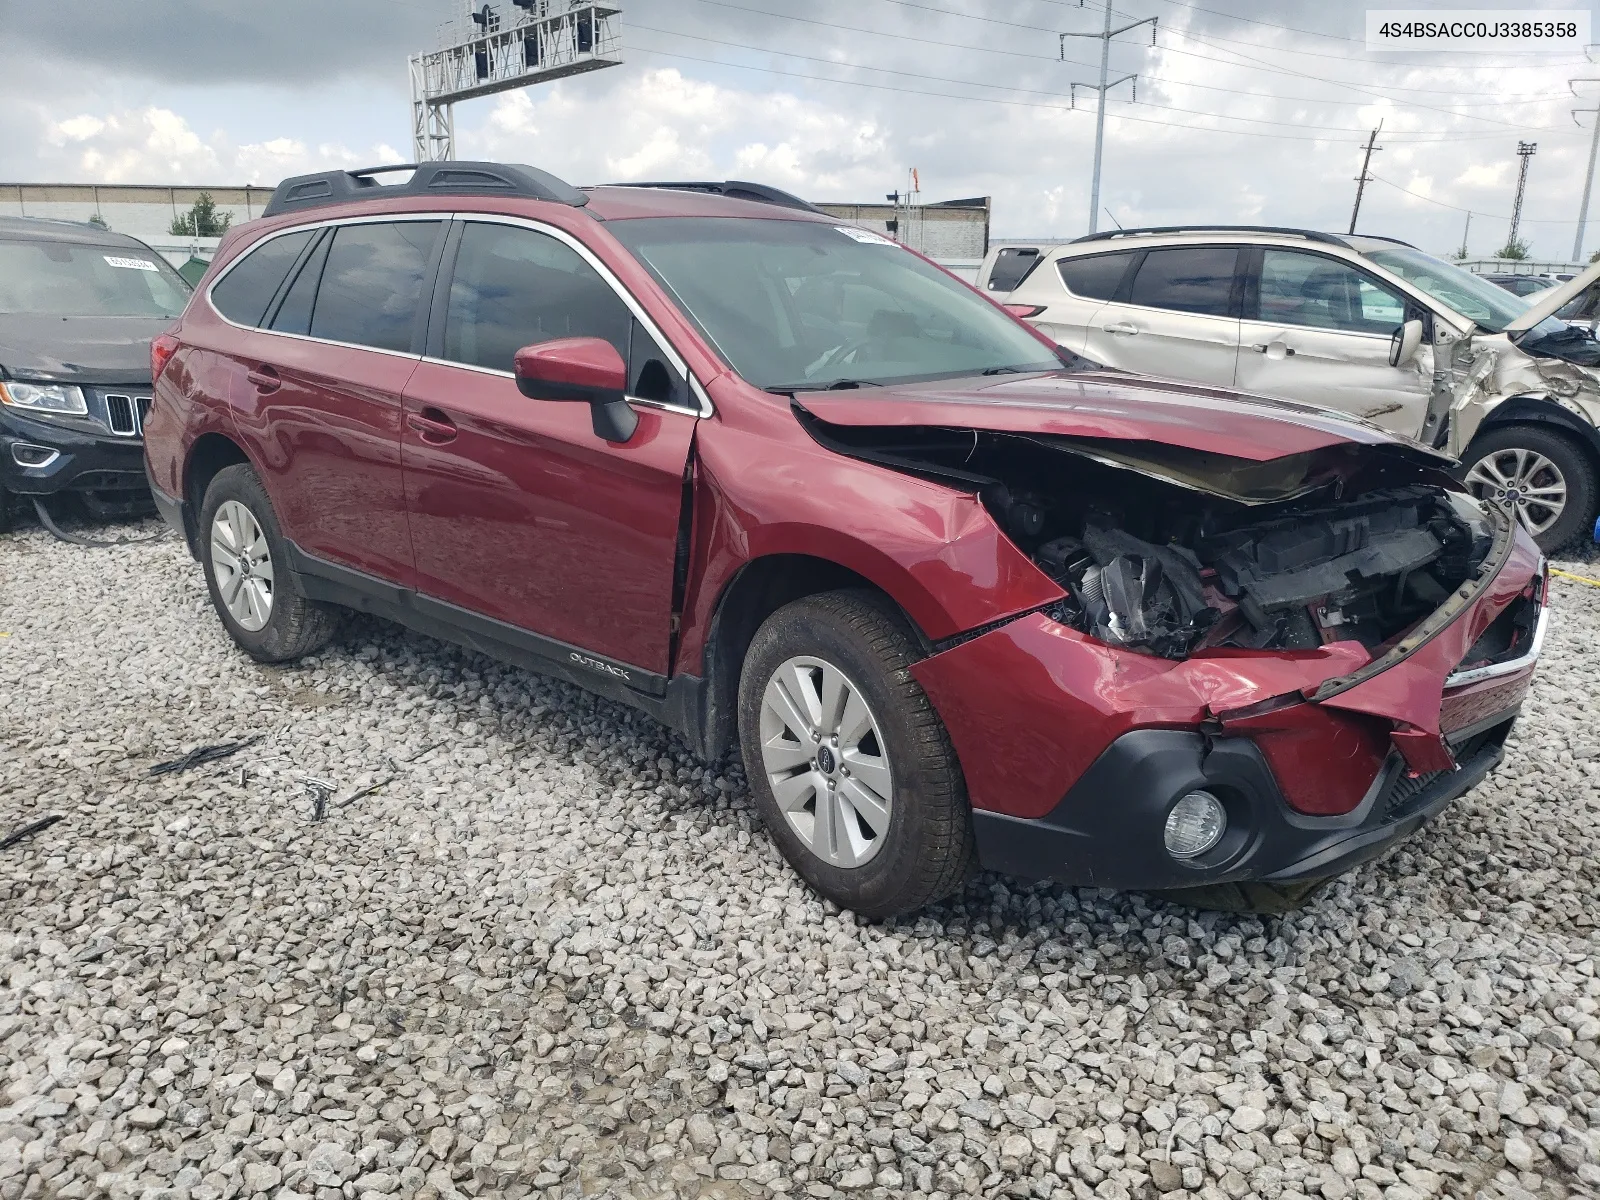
(585, 369)
(1403, 345)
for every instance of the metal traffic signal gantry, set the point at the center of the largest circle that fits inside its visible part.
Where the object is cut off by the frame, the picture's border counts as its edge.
(497, 49)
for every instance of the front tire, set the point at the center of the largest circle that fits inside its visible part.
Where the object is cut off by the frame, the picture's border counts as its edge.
(256, 592)
(1541, 474)
(852, 769)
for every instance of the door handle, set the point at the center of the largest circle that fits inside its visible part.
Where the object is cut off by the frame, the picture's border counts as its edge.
(1120, 327)
(265, 378)
(432, 426)
(1288, 351)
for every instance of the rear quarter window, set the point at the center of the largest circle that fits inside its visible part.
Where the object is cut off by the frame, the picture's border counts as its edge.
(242, 295)
(1012, 264)
(1095, 276)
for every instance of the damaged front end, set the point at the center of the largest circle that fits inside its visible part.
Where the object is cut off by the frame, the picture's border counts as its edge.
(1484, 370)
(1168, 552)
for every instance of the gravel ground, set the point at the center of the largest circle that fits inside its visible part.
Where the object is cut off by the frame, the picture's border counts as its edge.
(555, 954)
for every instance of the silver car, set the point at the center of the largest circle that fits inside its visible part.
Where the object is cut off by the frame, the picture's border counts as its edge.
(1367, 326)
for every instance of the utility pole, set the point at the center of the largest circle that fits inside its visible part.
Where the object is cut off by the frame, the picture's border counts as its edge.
(1361, 180)
(1105, 85)
(1588, 176)
(1465, 234)
(1527, 150)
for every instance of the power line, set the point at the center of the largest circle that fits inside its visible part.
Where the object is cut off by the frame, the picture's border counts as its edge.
(883, 87)
(1477, 212)
(830, 25)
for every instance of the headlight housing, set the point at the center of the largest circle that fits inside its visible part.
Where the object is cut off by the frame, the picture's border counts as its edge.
(62, 399)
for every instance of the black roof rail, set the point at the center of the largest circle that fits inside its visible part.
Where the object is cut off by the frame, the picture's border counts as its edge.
(427, 179)
(738, 190)
(1378, 237)
(1310, 235)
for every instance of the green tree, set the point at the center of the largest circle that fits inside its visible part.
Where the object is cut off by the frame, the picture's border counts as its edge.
(98, 222)
(1595, 257)
(1514, 248)
(202, 219)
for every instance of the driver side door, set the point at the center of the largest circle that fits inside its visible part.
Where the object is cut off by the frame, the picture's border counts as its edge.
(520, 515)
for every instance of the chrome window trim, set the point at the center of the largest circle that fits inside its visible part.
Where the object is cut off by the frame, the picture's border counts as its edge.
(1495, 670)
(276, 234)
(561, 235)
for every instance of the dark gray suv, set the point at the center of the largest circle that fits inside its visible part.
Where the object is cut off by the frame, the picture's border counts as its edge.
(78, 308)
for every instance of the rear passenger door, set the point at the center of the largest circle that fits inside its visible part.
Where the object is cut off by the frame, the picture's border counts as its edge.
(1074, 292)
(320, 394)
(1174, 315)
(520, 514)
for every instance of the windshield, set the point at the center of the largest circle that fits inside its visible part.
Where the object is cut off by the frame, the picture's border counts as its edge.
(799, 305)
(1487, 305)
(65, 279)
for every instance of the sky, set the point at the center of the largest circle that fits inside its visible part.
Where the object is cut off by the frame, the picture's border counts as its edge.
(1247, 111)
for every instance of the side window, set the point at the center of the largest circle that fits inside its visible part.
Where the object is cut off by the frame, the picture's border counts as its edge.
(1095, 276)
(371, 283)
(1012, 264)
(1324, 293)
(514, 287)
(294, 311)
(650, 373)
(1194, 279)
(242, 295)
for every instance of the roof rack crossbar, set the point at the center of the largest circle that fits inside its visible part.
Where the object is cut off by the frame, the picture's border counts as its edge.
(1310, 235)
(427, 179)
(735, 189)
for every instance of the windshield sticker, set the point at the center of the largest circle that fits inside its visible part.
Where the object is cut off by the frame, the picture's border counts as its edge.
(865, 235)
(131, 264)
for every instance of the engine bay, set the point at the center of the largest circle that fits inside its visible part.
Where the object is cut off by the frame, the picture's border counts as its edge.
(1168, 552)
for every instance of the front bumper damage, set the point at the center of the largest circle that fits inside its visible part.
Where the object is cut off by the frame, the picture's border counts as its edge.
(45, 457)
(1323, 757)
(1486, 370)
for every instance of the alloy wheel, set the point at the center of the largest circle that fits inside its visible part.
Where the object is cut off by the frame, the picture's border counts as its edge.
(1523, 481)
(825, 758)
(242, 562)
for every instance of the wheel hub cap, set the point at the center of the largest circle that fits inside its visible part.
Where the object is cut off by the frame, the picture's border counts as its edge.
(1524, 482)
(824, 757)
(242, 564)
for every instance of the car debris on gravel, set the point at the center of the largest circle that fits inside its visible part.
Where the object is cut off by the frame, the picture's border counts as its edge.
(556, 955)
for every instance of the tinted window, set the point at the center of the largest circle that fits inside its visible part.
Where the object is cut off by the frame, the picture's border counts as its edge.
(1193, 279)
(514, 287)
(371, 283)
(242, 295)
(1096, 276)
(1011, 267)
(1324, 293)
(294, 313)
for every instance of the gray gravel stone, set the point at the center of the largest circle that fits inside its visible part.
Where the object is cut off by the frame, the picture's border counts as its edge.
(555, 954)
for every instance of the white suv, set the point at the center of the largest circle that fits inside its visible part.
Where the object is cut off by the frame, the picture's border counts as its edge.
(1367, 326)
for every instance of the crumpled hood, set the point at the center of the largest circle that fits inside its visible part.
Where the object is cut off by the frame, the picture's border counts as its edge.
(1109, 405)
(1546, 303)
(105, 350)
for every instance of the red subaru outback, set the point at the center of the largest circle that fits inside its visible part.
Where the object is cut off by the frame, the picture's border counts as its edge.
(784, 484)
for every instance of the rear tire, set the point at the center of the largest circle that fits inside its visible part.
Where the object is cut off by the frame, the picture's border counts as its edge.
(259, 596)
(893, 832)
(1495, 458)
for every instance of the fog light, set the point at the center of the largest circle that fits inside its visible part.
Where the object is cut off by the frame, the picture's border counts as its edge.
(25, 454)
(1195, 824)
